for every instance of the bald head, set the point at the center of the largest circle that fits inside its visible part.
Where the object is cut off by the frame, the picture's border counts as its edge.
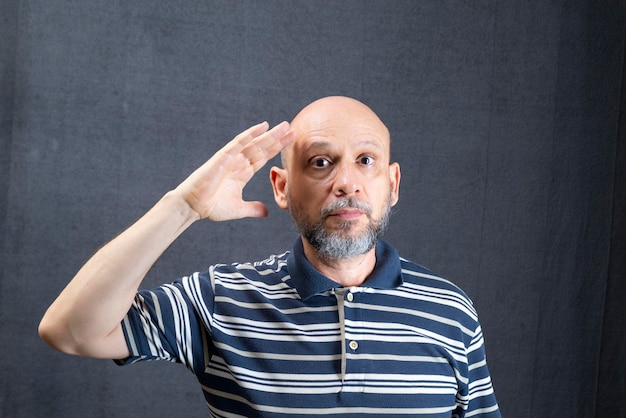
(328, 113)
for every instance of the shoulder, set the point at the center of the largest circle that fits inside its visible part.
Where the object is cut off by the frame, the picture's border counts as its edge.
(268, 273)
(271, 266)
(440, 292)
(416, 273)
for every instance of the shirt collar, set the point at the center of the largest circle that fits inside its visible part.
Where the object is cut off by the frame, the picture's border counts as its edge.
(308, 281)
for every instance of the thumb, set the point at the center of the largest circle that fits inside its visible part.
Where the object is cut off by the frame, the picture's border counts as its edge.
(253, 210)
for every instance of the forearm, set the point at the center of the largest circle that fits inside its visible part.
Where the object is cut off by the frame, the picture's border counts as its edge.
(90, 309)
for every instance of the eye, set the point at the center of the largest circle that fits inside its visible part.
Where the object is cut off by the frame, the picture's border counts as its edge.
(367, 160)
(320, 162)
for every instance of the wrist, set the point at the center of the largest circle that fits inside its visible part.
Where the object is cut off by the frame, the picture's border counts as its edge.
(180, 207)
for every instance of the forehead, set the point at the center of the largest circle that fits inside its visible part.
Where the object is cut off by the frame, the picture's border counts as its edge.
(339, 127)
(342, 137)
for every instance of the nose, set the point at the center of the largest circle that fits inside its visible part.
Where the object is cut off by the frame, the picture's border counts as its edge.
(347, 180)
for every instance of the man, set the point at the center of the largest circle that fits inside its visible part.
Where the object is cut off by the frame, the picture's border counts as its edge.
(340, 325)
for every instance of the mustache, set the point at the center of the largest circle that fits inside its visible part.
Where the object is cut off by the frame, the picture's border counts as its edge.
(344, 202)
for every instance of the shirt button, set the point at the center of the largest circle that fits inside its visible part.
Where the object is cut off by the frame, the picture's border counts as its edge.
(354, 345)
(350, 297)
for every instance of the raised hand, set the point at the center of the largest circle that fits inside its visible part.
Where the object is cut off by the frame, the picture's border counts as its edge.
(215, 190)
(85, 318)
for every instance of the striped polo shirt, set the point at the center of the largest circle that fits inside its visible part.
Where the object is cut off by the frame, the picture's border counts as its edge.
(277, 338)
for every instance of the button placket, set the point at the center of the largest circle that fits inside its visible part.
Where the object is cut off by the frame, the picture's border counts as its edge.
(344, 298)
(354, 345)
(339, 295)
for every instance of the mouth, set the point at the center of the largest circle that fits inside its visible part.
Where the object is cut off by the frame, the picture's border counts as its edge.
(346, 214)
(346, 211)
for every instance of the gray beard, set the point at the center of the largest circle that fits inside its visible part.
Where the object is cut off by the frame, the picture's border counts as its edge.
(339, 244)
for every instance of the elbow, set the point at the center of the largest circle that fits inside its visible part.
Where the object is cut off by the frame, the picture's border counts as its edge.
(51, 332)
(47, 333)
(58, 335)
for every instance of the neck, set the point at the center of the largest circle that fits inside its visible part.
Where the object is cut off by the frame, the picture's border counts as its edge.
(348, 272)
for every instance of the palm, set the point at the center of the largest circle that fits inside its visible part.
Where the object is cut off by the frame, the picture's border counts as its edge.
(215, 190)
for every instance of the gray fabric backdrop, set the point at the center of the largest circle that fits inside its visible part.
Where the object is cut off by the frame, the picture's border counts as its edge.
(505, 117)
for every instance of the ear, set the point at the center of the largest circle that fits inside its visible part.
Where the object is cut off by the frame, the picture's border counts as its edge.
(394, 181)
(278, 178)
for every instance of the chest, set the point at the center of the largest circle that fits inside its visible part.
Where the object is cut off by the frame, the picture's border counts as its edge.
(350, 340)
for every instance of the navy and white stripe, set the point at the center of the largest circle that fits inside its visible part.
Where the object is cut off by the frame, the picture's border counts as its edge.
(276, 338)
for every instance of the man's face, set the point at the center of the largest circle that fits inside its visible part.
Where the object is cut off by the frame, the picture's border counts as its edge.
(339, 184)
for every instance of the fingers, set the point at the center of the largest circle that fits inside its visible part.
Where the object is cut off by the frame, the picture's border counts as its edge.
(267, 145)
(258, 144)
(244, 138)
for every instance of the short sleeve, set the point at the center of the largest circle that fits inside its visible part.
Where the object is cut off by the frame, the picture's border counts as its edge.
(171, 322)
(481, 398)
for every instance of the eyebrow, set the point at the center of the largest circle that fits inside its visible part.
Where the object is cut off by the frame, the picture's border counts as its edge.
(317, 145)
(325, 144)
